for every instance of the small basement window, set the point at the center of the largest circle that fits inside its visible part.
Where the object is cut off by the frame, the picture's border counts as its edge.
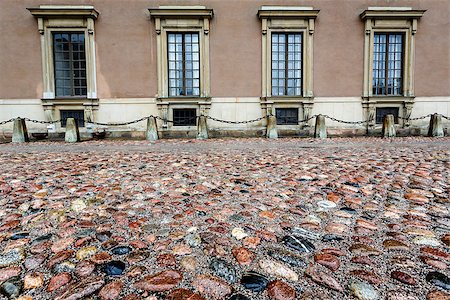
(78, 115)
(185, 117)
(287, 116)
(383, 111)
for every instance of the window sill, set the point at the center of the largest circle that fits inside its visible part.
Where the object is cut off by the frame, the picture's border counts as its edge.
(389, 99)
(70, 101)
(287, 99)
(183, 100)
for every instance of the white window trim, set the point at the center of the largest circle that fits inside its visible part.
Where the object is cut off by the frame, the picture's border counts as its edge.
(182, 19)
(390, 20)
(287, 19)
(54, 18)
(386, 20)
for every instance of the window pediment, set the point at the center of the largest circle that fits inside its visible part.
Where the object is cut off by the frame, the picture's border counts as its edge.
(64, 11)
(181, 12)
(287, 12)
(391, 13)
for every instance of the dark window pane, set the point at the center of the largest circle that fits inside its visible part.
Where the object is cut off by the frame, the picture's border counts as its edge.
(287, 64)
(383, 111)
(287, 116)
(183, 64)
(69, 64)
(185, 117)
(387, 64)
(78, 115)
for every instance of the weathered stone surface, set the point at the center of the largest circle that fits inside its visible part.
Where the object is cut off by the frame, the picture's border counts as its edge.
(364, 250)
(363, 291)
(11, 288)
(438, 279)
(162, 281)
(328, 260)
(212, 287)
(437, 295)
(278, 290)
(298, 243)
(58, 281)
(368, 276)
(395, 245)
(277, 269)
(243, 255)
(115, 267)
(82, 289)
(254, 281)
(223, 269)
(11, 257)
(183, 294)
(33, 280)
(111, 290)
(403, 277)
(8, 273)
(323, 278)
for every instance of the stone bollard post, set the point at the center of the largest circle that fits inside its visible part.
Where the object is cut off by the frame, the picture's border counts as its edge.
(152, 130)
(435, 129)
(388, 126)
(202, 128)
(20, 132)
(272, 132)
(72, 132)
(320, 130)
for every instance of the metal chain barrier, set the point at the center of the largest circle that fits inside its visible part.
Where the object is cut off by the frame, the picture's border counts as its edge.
(418, 118)
(118, 124)
(307, 119)
(42, 122)
(215, 119)
(237, 122)
(348, 122)
(6, 122)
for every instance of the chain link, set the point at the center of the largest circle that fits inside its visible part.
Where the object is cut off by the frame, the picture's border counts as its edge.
(118, 124)
(42, 122)
(414, 119)
(237, 122)
(216, 119)
(347, 122)
(6, 122)
(307, 119)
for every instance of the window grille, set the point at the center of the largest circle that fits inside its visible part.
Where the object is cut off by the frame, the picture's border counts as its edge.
(78, 115)
(286, 64)
(287, 116)
(184, 64)
(383, 111)
(185, 117)
(70, 64)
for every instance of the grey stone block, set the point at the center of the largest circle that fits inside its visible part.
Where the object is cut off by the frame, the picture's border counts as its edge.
(72, 132)
(20, 132)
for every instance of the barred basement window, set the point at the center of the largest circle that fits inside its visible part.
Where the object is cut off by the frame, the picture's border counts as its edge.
(287, 116)
(78, 115)
(70, 64)
(387, 64)
(184, 64)
(184, 117)
(381, 112)
(286, 64)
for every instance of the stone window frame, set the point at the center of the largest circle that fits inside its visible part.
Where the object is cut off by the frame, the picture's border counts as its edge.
(286, 19)
(402, 20)
(66, 18)
(181, 19)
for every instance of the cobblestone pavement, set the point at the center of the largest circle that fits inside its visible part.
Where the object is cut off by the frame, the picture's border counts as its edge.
(361, 218)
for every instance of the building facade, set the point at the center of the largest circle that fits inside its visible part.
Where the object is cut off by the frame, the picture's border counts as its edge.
(116, 61)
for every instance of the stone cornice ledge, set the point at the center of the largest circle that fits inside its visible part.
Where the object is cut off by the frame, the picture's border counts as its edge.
(166, 12)
(66, 11)
(286, 12)
(391, 13)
